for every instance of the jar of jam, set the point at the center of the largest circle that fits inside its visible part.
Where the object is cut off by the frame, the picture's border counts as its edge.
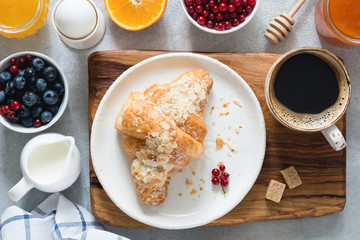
(338, 21)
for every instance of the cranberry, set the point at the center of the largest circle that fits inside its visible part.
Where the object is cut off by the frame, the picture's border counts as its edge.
(237, 3)
(242, 18)
(28, 57)
(37, 123)
(227, 25)
(201, 20)
(14, 69)
(198, 2)
(244, 2)
(248, 9)
(215, 9)
(191, 9)
(189, 2)
(251, 2)
(199, 9)
(235, 22)
(222, 167)
(13, 61)
(215, 180)
(226, 175)
(224, 183)
(223, 7)
(210, 24)
(219, 17)
(211, 3)
(11, 115)
(215, 172)
(15, 105)
(231, 8)
(205, 14)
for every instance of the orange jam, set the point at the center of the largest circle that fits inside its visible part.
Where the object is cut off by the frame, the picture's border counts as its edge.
(345, 15)
(20, 18)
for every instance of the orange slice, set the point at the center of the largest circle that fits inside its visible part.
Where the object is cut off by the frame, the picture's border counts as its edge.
(135, 15)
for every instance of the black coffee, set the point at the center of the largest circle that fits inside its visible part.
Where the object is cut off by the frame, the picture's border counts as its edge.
(306, 84)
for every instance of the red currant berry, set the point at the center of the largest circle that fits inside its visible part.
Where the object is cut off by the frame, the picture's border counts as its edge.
(6, 109)
(2, 111)
(233, 15)
(251, 2)
(198, 2)
(235, 22)
(210, 24)
(201, 20)
(15, 105)
(224, 183)
(226, 175)
(37, 123)
(191, 9)
(205, 14)
(227, 25)
(28, 57)
(231, 8)
(207, 8)
(242, 18)
(11, 115)
(199, 9)
(211, 16)
(237, 3)
(195, 16)
(189, 2)
(215, 172)
(13, 61)
(244, 2)
(21, 61)
(222, 167)
(215, 9)
(225, 1)
(248, 9)
(14, 69)
(223, 7)
(219, 17)
(220, 27)
(222, 178)
(215, 180)
(239, 9)
(211, 3)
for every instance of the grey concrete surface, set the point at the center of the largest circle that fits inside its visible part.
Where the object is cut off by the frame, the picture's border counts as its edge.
(174, 32)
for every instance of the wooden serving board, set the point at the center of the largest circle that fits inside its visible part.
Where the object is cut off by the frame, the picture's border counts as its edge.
(321, 169)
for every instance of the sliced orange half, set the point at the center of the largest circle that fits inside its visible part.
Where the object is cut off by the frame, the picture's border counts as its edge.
(135, 15)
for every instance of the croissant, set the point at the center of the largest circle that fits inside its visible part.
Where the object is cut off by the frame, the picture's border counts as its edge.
(163, 129)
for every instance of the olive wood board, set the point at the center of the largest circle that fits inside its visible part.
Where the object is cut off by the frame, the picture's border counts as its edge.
(321, 169)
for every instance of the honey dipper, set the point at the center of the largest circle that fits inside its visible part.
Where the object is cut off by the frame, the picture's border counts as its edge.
(281, 25)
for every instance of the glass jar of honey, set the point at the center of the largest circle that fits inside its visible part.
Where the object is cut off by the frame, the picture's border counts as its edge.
(338, 21)
(20, 18)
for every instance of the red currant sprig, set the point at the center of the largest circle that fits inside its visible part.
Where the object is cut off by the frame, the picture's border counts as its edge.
(219, 176)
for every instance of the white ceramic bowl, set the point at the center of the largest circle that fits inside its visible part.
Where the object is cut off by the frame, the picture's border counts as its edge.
(209, 30)
(5, 63)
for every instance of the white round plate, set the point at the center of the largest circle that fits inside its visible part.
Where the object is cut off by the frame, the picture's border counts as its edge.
(187, 205)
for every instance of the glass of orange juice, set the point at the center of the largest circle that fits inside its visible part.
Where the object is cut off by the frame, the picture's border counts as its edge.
(338, 21)
(20, 18)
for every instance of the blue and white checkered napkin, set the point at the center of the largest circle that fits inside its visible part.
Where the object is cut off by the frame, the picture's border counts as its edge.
(55, 218)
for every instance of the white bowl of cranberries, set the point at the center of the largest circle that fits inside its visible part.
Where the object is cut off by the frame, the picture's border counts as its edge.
(219, 16)
(33, 92)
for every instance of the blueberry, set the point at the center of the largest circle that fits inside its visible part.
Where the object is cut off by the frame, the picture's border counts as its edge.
(40, 85)
(53, 109)
(21, 73)
(20, 82)
(46, 117)
(10, 88)
(2, 96)
(27, 122)
(38, 64)
(23, 111)
(36, 112)
(59, 88)
(30, 99)
(16, 119)
(50, 97)
(29, 72)
(32, 80)
(5, 77)
(50, 73)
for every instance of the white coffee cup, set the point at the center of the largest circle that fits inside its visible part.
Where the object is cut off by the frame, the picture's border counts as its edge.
(50, 162)
(325, 122)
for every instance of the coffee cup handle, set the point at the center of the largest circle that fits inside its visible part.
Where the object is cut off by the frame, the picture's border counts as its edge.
(334, 137)
(19, 190)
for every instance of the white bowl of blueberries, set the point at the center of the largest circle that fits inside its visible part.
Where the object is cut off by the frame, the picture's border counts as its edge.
(33, 92)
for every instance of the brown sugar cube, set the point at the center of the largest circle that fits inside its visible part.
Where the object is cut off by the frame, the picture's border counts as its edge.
(291, 177)
(275, 191)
